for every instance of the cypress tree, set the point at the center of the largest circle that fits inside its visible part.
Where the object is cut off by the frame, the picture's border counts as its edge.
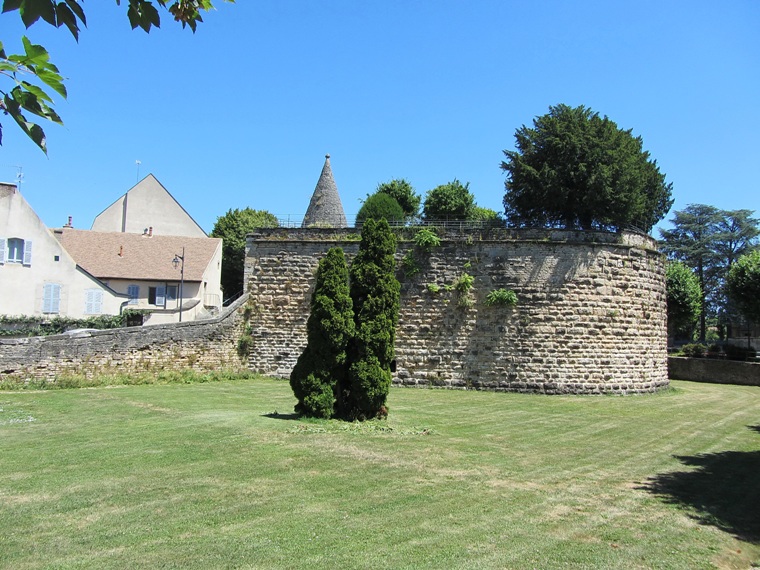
(321, 367)
(375, 294)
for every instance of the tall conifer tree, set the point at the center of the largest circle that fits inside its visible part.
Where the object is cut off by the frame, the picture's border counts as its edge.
(321, 368)
(375, 294)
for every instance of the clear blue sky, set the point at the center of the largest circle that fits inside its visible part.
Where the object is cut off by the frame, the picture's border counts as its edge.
(242, 112)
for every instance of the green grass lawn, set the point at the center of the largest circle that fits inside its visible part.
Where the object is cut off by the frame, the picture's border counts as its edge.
(221, 475)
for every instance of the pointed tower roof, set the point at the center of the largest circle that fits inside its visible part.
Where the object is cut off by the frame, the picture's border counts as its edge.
(325, 208)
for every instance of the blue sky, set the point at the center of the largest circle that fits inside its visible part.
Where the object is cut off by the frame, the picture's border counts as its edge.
(242, 112)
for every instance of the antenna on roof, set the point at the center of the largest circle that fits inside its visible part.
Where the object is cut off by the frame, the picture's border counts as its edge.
(138, 163)
(19, 174)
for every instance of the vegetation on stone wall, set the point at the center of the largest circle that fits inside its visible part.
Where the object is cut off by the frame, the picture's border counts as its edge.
(321, 369)
(26, 325)
(503, 297)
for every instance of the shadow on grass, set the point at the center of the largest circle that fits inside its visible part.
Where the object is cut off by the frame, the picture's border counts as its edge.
(278, 416)
(723, 490)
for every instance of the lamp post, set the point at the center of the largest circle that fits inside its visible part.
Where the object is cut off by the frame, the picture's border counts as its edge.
(176, 263)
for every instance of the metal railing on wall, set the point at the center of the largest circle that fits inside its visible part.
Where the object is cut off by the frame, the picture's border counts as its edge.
(296, 221)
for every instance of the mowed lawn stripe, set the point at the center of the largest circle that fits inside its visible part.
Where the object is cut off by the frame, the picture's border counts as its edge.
(223, 475)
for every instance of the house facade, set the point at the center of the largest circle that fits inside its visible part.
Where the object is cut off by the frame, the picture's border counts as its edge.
(38, 277)
(147, 205)
(172, 278)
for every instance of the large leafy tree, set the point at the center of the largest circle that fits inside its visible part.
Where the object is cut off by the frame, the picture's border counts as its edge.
(232, 227)
(321, 367)
(574, 169)
(744, 285)
(451, 201)
(684, 297)
(32, 78)
(403, 192)
(375, 294)
(709, 241)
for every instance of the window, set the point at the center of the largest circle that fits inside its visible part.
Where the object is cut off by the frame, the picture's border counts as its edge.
(134, 294)
(15, 250)
(93, 304)
(157, 296)
(171, 292)
(51, 299)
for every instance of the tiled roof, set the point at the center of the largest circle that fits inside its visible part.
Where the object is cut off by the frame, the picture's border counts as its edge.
(115, 255)
(325, 207)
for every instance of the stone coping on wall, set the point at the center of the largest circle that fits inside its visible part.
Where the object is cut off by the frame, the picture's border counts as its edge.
(452, 233)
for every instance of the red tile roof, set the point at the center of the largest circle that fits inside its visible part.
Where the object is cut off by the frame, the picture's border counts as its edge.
(116, 255)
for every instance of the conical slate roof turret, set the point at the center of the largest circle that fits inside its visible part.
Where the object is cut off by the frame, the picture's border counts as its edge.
(325, 208)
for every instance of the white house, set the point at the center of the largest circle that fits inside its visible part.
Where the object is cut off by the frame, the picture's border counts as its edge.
(147, 205)
(148, 269)
(37, 275)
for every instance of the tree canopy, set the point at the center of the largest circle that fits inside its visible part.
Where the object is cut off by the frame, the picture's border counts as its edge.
(379, 206)
(684, 297)
(232, 227)
(744, 285)
(709, 241)
(451, 201)
(404, 194)
(576, 170)
(25, 97)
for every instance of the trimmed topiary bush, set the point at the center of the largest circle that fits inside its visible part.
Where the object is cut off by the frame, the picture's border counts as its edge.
(379, 206)
(375, 294)
(321, 368)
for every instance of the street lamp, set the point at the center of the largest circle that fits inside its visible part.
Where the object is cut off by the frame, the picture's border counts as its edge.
(175, 263)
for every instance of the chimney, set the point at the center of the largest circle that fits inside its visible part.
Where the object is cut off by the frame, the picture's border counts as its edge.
(70, 223)
(150, 231)
(121, 251)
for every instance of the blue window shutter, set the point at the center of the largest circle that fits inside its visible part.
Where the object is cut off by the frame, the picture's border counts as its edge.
(51, 298)
(160, 295)
(27, 252)
(134, 293)
(2, 250)
(56, 298)
(93, 301)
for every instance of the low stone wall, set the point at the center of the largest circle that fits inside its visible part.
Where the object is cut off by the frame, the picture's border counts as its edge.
(714, 371)
(199, 345)
(590, 318)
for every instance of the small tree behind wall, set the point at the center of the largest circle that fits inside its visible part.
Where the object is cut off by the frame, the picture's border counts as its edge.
(375, 294)
(322, 365)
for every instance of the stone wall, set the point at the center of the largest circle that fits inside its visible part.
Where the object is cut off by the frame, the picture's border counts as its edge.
(198, 345)
(714, 371)
(590, 318)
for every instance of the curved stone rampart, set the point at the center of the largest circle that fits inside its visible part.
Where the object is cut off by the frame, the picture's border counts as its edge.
(590, 317)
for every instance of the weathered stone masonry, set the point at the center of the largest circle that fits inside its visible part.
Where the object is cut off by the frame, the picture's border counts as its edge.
(591, 315)
(198, 345)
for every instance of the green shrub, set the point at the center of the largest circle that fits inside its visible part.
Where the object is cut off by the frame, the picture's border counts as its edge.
(244, 345)
(464, 283)
(505, 297)
(426, 239)
(378, 206)
(695, 350)
(321, 367)
(433, 288)
(375, 294)
(410, 265)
